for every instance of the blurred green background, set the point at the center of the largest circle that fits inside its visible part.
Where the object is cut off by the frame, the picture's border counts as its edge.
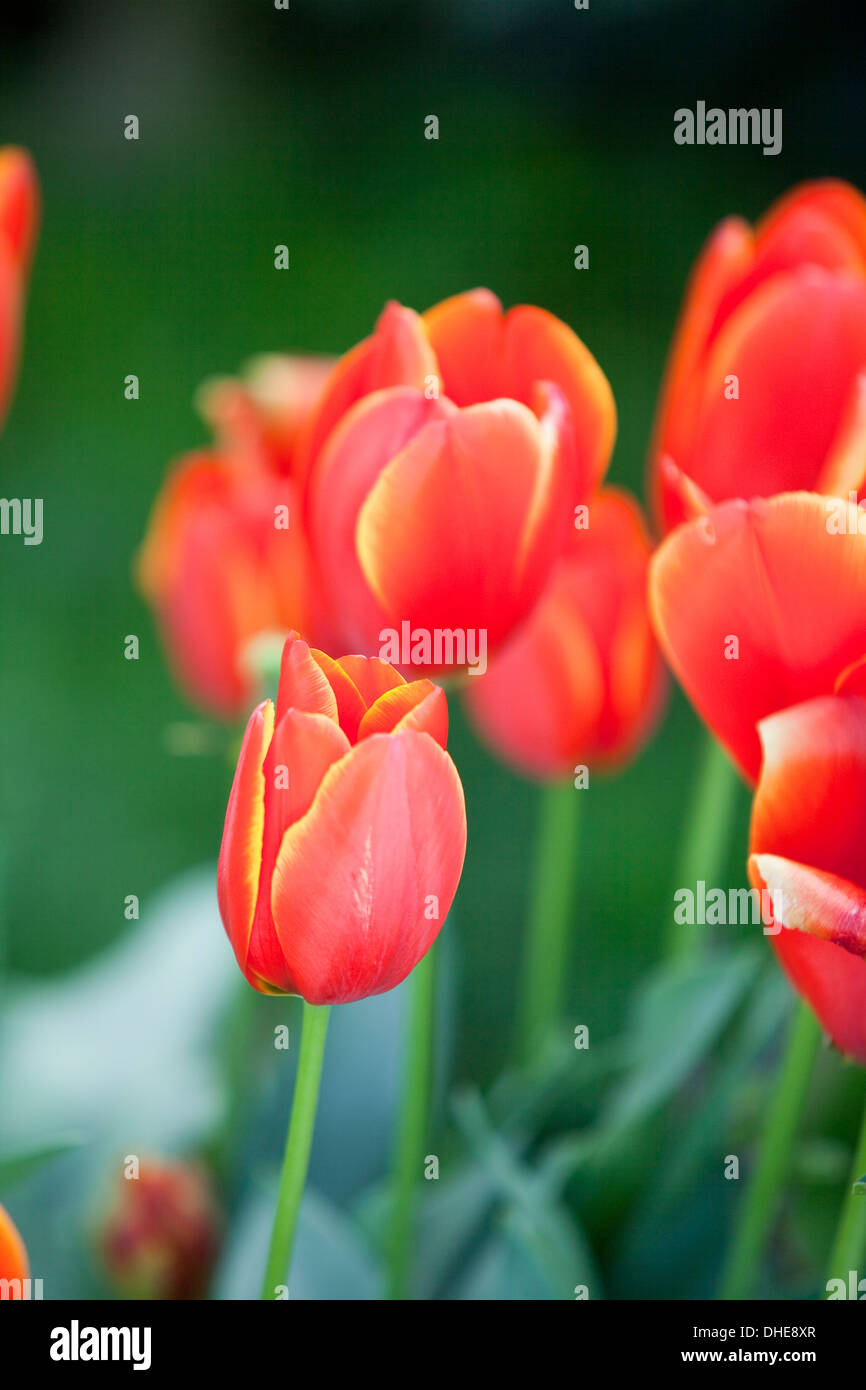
(259, 127)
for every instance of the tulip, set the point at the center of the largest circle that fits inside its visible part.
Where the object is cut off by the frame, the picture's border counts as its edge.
(13, 1256)
(19, 218)
(764, 389)
(438, 491)
(806, 850)
(263, 413)
(758, 606)
(582, 679)
(224, 561)
(345, 831)
(161, 1238)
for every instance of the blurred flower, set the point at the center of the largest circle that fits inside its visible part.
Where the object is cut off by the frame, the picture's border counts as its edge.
(161, 1237)
(582, 680)
(225, 557)
(345, 831)
(759, 606)
(807, 838)
(13, 1256)
(442, 464)
(764, 390)
(19, 219)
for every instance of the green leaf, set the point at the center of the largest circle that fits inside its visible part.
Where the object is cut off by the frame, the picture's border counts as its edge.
(20, 1164)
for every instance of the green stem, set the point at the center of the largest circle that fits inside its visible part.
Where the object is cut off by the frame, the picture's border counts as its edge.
(414, 1121)
(849, 1247)
(550, 919)
(704, 847)
(764, 1193)
(298, 1143)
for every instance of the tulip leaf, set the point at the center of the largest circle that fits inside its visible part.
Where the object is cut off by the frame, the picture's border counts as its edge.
(20, 1164)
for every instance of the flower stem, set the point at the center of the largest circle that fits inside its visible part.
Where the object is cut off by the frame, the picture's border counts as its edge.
(849, 1247)
(298, 1143)
(764, 1193)
(704, 846)
(550, 918)
(414, 1121)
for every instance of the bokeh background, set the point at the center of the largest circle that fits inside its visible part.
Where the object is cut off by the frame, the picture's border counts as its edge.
(260, 127)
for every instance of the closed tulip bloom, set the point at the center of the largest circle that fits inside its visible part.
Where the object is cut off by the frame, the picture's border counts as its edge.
(13, 1256)
(582, 680)
(758, 606)
(763, 391)
(224, 560)
(345, 831)
(161, 1237)
(262, 414)
(438, 494)
(807, 837)
(19, 219)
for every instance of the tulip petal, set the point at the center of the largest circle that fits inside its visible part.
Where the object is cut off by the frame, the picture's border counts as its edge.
(796, 347)
(449, 536)
(357, 878)
(396, 354)
(808, 900)
(810, 803)
(303, 684)
(833, 981)
(240, 856)
(371, 676)
(350, 702)
(758, 606)
(371, 433)
(844, 469)
(13, 1256)
(419, 705)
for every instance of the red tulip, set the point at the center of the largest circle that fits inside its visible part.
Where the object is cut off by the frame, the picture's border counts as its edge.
(161, 1238)
(19, 217)
(763, 392)
(807, 838)
(759, 606)
(345, 831)
(13, 1256)
(582, 679)
(225, 559)
(438, 489)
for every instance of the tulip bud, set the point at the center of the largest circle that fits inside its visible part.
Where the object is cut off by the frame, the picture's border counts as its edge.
(161, 1236)
(13, 1256)
(345, 831)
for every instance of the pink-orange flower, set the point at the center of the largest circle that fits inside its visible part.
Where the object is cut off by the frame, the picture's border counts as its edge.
(19, 218)
(13, 1256)
(807, 838)
(225, 558)
(443, 463)
(582, 679)
(765, 391)
(758, 606)
(345, 831)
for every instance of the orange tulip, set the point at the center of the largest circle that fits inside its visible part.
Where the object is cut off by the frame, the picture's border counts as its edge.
(13, 1256)
(582, 679)
(442, 465)
(807, 838)
(161, 1237)
(764, 390)
(759, 606)
(19, 218)
(225, 558)
(345, 831)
